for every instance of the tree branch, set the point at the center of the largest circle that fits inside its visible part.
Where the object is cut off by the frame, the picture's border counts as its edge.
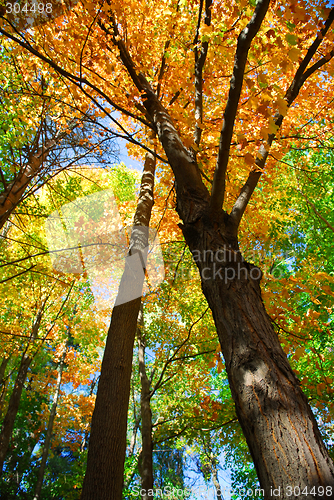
(244, 41)
(200, 57)
(299, 79)
(315, 210)
(185, 169)
(78, 81)
(173, 357)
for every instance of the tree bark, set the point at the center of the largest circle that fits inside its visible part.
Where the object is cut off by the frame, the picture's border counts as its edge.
(215, 479)
(107, 444)
(3, 367)
(278, 424)
(3, 382)
(46, 446)
(14, 402)
(146, 416)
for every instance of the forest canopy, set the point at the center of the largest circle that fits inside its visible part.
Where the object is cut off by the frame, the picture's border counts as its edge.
(171, 329)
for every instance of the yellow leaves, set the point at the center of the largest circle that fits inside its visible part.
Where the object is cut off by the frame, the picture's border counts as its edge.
(299, 13)
(205, 32)
(249, 82)
(282, 106)
(272, 128)
(262, 79)
(220, 366)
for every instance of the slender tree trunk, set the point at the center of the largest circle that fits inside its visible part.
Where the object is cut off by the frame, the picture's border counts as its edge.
(24, 462)
(132, 445)
(3, 382)
(85, 438)
(278, 424)
(48, 435)
(3, 367)
(12, 194)
(14, 402)
(107, 444)
(146, 416)
(215, 479)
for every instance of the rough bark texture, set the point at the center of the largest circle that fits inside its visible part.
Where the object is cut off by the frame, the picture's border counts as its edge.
(278, 424)
(14, 402)
(46, 446)
(107, 443)
(146, 471)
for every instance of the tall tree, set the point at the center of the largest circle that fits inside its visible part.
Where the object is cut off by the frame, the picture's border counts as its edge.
(279, 427)
(117, 358)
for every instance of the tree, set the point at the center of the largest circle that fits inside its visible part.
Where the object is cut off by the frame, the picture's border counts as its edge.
(38, 355)
(39, 135)
(270, 405)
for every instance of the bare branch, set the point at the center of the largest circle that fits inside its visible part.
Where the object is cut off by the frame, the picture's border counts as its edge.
(244, 42)
(200, 57)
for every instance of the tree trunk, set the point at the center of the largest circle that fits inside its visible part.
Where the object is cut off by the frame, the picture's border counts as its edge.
(3, 367)
(46, 446)
(87, 426)
(14, 402)
(107, 444)
(3, 382)
(24, 462)
(278, 424)
(215, 479)
(146, 416)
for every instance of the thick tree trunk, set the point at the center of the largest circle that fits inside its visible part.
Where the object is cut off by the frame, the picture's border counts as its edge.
(14, 402)
(275, 416)
(146, 417)
(107, 443)
(46, 446)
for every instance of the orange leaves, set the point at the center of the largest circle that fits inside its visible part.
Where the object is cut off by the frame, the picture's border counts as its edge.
(249, 159)
(282, 106)
(294, 54)
(217, 360)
